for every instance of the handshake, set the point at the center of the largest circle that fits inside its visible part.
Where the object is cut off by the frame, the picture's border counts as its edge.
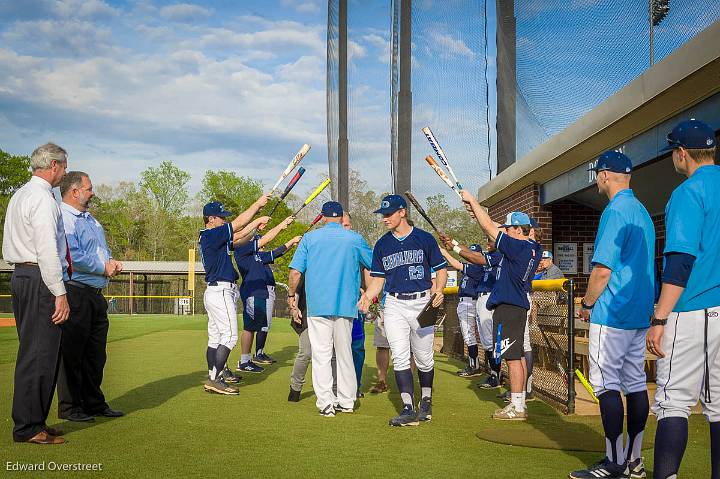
(113, 268)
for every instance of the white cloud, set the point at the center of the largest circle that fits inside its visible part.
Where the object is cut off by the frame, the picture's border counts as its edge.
(301, 6)
(72, 38)
(382, 44)
(184, 12)
(276, 36)
(306, 69)
(451, 46)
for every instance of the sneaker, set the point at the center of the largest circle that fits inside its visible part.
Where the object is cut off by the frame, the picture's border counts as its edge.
(359, 395)
(263, 358)
(407, 417)
(530, 397)
(509, 413)
(221, 387)
(294, 396)
(490, 383)
(249, 367)
(229, 377)
(329, 411)
(347, 410)
(637, 468)
(425, 409)
(606, 469)
(380, 387)
(469, 372)
(506, 396)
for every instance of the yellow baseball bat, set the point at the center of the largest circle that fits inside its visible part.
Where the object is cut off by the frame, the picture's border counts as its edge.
(313, 195)
(586, 385)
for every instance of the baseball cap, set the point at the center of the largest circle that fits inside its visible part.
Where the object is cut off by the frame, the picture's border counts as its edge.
(332, 209)
(546, 255)
(390, 204)
(215, 208)
(613, 161)
(476, 247)
(516, 218)
(691, 134)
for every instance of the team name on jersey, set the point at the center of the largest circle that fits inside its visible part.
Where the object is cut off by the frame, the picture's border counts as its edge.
(402, 258)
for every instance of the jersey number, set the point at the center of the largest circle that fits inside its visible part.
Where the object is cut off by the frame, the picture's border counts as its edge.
(416, 272)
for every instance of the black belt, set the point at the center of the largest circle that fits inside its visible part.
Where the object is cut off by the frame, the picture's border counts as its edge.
(468, 297)
(78, 284)
(215, 283)
(407, 296)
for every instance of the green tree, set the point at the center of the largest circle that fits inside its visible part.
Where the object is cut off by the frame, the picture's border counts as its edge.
(235, 192)
(14, 172)
(167, 185)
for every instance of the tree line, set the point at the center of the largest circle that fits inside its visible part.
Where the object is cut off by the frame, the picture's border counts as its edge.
(157, 218)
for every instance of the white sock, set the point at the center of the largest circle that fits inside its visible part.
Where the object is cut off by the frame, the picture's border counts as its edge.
(529, 384)
(406, 399)
(259, 352)
(426, 392)
(212, 373)
(244, 358)
(637, 446)
(518, 400)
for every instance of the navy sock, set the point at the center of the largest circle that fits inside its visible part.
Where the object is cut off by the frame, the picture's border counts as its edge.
(221, 357)
(495, 366)
(488, 359)
(426, 382)
(613, 414)
(473, 356)
(260, 339)
(529, 363)
(670, 442)
(638, 409)
(404, 379)
(210, 355)
(715, 449)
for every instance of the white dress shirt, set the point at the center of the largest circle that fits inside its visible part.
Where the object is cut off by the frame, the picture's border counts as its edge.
(34, 233)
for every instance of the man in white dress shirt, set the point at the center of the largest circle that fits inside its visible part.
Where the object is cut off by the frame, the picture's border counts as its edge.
(34, 241)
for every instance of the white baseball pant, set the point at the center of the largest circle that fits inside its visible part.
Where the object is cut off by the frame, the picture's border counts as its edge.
(405, 334)
(467, 317)
(326, 334)
(617, 359)
(690, 369)
(221, 306)
(269, 307)
(484, 322)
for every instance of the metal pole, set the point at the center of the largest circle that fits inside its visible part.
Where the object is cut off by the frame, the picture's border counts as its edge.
(652, 33)
(343, 164)
(571, 347)
(505, 83)
(403, 180)
(130, 300)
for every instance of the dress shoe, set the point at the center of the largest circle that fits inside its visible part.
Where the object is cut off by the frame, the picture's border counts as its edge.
(77, 416)
(44, 438)
(294, 395)
(110, 412)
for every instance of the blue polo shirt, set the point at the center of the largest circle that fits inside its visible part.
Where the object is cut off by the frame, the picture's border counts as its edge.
(519, 262)
(625, 243)
(692, 217)
(472, 275)
(331, 258)
(215, 251)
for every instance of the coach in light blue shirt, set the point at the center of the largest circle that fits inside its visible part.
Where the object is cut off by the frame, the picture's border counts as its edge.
(88, 249)
(331, 259)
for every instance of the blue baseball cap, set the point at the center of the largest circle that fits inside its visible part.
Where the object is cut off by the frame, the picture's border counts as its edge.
(613, 161)
(516, 218)
(476, 247)
(390, 204)
(691, 134)
(215, 208)
(332, 209)
(546, 255)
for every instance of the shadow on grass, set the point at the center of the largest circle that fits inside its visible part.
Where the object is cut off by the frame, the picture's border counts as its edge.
(156, 393)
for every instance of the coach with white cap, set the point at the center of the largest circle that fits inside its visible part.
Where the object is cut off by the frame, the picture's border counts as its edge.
(331, 259)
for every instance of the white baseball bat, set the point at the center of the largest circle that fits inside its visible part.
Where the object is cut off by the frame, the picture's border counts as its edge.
(433, 164)
(293, 163)
(441, 154)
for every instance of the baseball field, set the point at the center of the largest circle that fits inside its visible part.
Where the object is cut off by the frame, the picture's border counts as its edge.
(173, 428)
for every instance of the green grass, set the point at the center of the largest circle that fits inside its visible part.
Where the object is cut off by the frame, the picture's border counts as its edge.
(173, 428)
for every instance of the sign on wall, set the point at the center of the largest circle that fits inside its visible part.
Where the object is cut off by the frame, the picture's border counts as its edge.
(566, 257)
(588, 251)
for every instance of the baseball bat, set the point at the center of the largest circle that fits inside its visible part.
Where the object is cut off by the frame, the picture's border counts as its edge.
(312, 196)
(293, 163)
(420, 210)
(433, 164)
(441, 154)
(289, 187)
(586, 385)
(314, 222)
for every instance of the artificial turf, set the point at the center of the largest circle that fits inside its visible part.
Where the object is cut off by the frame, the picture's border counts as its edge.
(173, 428)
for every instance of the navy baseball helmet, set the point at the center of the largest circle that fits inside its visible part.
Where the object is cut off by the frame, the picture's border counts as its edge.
(613, 161)
(390, 204)
(691, 134)
(215, 208)
(332, 209)
(476, 247)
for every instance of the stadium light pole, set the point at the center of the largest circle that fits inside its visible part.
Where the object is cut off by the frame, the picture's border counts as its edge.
(658, 11)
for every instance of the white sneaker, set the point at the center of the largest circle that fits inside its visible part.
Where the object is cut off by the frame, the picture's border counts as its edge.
(637, 468)
(329, 411)
(509, 413)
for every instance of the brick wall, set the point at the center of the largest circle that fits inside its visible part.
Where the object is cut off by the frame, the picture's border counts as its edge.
(526, 200)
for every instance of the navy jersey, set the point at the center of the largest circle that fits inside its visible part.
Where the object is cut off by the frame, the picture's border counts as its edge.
(215, 251)
(491, 271)
(407, 263)
(519, 262)
(254, 268)
(472, 275)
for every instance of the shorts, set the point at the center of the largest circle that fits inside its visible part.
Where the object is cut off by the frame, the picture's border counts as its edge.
(379, 338)
(509, 331)
(255, 314)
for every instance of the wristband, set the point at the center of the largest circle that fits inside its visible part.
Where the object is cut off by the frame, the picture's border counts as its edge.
(657, 321)
(585, 305)
(455, 243)
(457, 249)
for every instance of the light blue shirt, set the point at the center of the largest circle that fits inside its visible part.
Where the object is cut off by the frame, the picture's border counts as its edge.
(88, 249)
(625, 243)
(331, 258)
(692, 218)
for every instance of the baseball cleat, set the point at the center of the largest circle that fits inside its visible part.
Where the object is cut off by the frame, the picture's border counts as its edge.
(329, 411)
(263, 358)
(425, 409)
(249, 367)
(506, 396)
(407, 417)
(347, 410)
(490, 383)
(530, 397)
(637, 468)
(509, 413)
(379, 387)
(294, 396)
(606, 469)
(469, 372)
(229, 377)
(220, 387)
